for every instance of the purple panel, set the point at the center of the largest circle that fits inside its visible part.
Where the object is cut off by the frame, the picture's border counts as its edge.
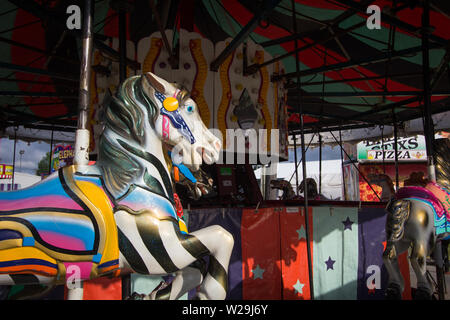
(371, 229)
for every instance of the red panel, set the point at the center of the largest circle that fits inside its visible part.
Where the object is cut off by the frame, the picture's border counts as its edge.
(260, 236)
(404, 269)
(103, 289)
(294, 254)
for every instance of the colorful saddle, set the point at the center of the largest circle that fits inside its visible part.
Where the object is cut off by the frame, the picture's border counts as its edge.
(65, 220)
(437, 197)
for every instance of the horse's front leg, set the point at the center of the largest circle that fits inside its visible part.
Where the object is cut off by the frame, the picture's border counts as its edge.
(396, 283)
(220, 244)
(185, 280)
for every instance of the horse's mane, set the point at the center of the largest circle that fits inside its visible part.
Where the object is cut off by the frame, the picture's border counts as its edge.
(441, 149)
(126, 116)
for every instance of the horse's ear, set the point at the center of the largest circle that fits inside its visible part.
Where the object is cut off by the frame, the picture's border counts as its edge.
(156, 82)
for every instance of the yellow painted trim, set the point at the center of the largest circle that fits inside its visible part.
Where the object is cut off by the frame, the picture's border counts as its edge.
(226, 96)
(10, 243)
(152, 55)
(199, 83)
(259, 57)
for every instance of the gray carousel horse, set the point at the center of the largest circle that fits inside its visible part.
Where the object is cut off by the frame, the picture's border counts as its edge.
(118, 216)
(416, 218)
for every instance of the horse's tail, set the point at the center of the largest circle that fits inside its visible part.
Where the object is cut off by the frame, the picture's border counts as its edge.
(398, 213)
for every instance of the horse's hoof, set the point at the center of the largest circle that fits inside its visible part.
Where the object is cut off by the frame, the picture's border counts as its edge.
(393, 292)
(422, 294)
(135, 296)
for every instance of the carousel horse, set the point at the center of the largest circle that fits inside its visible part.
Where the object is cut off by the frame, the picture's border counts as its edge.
(417, 217)
(386, 184)
(288, 191)
(118, 216)
(313, 193)
(286, 187)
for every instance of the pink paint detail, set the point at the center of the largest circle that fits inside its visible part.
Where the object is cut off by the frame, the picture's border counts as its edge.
(165, 128)
(84, 269)
(62, 241)
(42, 201)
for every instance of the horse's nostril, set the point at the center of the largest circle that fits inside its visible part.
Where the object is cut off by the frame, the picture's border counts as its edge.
(218, 145)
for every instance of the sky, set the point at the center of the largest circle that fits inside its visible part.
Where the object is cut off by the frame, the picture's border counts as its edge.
(28, 161)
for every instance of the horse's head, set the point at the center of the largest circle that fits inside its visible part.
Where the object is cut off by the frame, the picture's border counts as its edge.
(311, 186)
(179, 125)
(379, 179)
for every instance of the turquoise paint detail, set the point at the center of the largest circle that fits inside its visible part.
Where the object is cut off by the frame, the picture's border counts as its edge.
(28, 242)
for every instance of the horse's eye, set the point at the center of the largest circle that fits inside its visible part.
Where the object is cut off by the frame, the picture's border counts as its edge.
(190, 109)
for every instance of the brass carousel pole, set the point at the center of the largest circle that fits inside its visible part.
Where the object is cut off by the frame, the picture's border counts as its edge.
(81, 156)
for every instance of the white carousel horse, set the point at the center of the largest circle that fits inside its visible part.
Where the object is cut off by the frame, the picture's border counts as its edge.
(118, 216)
(418, 217)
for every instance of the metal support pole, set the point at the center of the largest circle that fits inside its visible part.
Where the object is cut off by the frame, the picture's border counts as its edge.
(14, 157)
(428, 121)
(429, 133)
(394, 118)
(320, 164)
(122, 45)
(382, 148)
(302, 136)
(342, 163)
(82, 135)
(50, 157)
(296, 166)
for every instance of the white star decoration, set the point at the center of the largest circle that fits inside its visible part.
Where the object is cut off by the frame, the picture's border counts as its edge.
(257, 272)
(298, 286)
(301, 233)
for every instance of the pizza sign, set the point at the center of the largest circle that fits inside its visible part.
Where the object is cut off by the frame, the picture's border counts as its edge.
(408, 149)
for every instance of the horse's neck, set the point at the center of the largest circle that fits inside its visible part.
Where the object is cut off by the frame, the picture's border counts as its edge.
(150, 170)
(289, 192)
(387, 190)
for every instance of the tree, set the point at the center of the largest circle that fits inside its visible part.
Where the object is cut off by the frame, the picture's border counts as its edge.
(44, 165)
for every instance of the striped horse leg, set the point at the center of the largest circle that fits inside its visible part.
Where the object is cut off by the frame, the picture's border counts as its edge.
(214, 241)
(157, 246)
(185, 280)
(220, 244)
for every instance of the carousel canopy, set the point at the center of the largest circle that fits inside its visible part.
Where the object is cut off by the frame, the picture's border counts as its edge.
(348, 75)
